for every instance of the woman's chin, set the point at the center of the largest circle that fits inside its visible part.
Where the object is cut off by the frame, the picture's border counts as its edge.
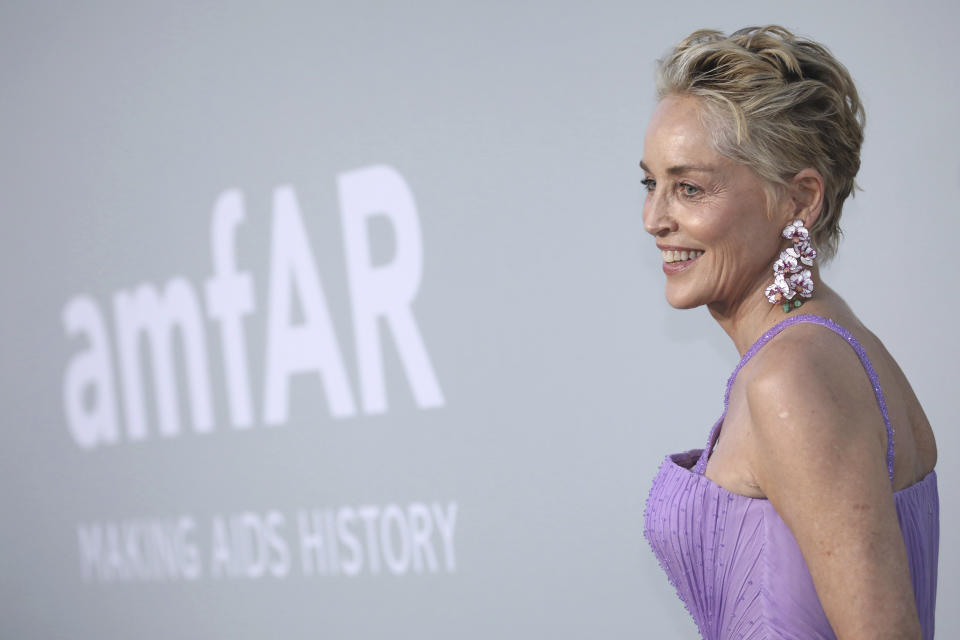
(679, 300)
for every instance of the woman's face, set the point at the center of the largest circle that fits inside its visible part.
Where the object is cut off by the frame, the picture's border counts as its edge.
(699, 200)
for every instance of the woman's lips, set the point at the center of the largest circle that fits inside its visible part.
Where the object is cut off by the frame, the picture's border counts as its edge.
(676, 267)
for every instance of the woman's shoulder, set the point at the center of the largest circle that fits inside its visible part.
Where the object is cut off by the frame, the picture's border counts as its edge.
(812, 370)
(806, 352)
(812, 424)
(806, 370)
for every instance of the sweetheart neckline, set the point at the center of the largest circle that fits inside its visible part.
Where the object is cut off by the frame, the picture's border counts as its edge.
(723, 489)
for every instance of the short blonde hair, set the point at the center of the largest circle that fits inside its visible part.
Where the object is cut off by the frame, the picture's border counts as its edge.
(777, 103)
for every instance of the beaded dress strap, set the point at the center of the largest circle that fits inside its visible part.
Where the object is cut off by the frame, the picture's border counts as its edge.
(774, 330)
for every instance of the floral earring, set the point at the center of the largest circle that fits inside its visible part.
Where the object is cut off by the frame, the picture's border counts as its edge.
(789, 276)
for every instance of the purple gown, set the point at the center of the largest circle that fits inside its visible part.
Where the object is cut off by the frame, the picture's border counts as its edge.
(734, 562)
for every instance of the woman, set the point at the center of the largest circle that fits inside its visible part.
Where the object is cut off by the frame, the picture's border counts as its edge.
(813, 510)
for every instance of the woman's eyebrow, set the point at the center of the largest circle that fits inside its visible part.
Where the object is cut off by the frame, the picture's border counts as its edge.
(683, 168)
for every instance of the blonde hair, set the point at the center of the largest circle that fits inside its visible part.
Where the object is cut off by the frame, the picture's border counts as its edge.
(777, 103)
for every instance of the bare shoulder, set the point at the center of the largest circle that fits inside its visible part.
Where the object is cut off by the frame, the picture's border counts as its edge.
(808, 365)
(820, 458)
(809, 347)
(812, 412)
(825, 372)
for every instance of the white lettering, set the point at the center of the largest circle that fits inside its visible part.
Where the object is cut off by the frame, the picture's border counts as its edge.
(385, 291)
(353, 566)
(229, 298)
(311, 347)
(446, 522)
(145, 550)
(89, 370)
(421, 527)
(102, 404)
(144, 311)
(396, 561)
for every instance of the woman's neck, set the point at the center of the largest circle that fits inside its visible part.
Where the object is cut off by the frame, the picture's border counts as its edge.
(749, 318)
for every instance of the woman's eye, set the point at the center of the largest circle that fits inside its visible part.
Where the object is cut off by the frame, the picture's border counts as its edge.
(648, 184)
(689, 189)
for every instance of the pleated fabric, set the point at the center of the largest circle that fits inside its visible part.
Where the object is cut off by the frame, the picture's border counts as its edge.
(734, 562)
(737, 567)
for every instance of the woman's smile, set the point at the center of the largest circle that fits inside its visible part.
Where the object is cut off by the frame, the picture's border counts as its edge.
(676, 261)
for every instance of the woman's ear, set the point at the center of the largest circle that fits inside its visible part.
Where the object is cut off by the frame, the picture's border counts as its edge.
(806, 195)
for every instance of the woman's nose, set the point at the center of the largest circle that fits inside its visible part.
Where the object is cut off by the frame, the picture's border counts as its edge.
(656, 215)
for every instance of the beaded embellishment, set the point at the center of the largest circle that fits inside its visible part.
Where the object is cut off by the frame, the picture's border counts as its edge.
(790, 279)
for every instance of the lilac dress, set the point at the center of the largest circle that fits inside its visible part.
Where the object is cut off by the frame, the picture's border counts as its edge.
(734, 562)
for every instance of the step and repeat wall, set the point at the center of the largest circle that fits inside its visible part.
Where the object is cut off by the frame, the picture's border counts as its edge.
(339, 320)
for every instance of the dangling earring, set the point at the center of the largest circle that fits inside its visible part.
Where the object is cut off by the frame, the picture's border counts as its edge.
(789, 276)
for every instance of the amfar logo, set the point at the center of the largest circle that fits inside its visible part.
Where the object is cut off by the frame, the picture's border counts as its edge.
(382, 292)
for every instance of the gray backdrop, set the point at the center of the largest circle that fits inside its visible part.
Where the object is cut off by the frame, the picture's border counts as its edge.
(339, 320)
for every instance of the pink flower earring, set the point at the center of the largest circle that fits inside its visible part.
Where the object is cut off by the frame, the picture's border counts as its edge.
(789, 276)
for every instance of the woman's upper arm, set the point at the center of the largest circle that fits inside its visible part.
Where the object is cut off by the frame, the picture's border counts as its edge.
(821, 462)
